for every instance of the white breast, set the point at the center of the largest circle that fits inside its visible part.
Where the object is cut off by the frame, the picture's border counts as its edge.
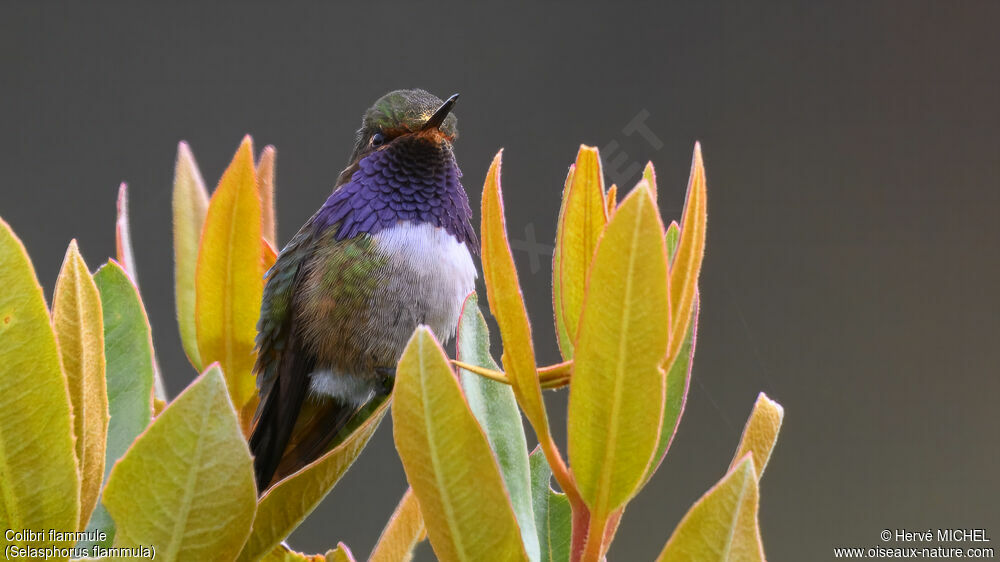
(441, 269)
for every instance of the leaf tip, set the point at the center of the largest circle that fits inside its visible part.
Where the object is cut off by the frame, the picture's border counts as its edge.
(765, 400)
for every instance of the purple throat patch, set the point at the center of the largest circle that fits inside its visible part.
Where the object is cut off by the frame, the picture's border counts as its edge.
(409, 180)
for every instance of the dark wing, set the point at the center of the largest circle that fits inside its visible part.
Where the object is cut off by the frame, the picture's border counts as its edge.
(283, 363)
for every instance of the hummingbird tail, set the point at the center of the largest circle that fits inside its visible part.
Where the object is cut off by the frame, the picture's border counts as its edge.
(277, 414)
(319, 424)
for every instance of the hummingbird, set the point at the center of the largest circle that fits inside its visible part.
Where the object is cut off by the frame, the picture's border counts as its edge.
(390, 249)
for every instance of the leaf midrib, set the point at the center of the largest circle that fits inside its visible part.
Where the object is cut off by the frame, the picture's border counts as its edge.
(435, 460)
(612, 440)
(180, 523)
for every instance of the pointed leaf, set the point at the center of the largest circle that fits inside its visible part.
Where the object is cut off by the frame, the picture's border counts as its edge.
(563, 337)
(582, 221)
(265, 186)
(339, 554)
(649, 174)
(190, 204)
(761, 432)
(229, 281)
(507, 304)
(722, 525)
(39, 478)
(186, 484)
(448, 461)
(128, 355)
(495, 408)
(617, 392)
(403, 532)
(269, 255)
(126, 258)
(281, 553)
(79, 327)
(678, 382)
(673, 236)
(123, 235)
(611, 199)
(553, 516)
(686, 264)
(289, 501)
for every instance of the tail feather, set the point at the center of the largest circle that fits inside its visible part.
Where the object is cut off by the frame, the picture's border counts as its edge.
(320, 422)
(277, 414)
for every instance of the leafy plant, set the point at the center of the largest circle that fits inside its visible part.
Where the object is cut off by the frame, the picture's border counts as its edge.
(115, 470)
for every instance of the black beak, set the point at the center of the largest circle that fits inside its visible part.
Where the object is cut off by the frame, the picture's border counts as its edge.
(435, 121)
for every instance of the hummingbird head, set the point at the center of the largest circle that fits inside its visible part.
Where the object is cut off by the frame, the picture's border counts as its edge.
(402, 169)
(404, 116)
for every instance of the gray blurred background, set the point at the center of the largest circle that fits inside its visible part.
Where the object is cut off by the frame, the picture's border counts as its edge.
(852, 156)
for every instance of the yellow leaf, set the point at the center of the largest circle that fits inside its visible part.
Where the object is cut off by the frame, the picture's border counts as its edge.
(229, 281)
(448, 461)
(339, 554)
(281, 553)
(563, 338)
(686, 264)
(289, 501)
(761, 432)
(268, 256)
(507, 304)
(649, 174)
(190, 203)
(79, 326)
(265, 186)
(185, 486)
(617, 391)
(611, 200)
(722, 525)
(583, 218)
(39, 478)
(401, 535)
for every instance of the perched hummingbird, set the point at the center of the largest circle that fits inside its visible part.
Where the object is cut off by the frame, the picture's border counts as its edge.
(389, 250)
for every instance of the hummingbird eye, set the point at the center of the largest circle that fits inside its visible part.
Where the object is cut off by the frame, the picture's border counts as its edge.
(378, 139)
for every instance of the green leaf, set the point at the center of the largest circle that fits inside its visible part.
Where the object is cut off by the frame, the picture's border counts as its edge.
(403, 532)
(678, 382)
(507, 304)
(128, 353)
(448, 461)
(289, 501)
(79, 326)
(686, 264)
(126, 258)
(39, 478)
(190, 204)
(582, 219)
(761, 432)
(673, 237)
(186, 485)
(616, 394)
(553, 516)
(722, 525)
(495, 408)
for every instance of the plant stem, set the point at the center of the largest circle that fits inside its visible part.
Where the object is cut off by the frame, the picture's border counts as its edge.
(595, 538)
(550, 377)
